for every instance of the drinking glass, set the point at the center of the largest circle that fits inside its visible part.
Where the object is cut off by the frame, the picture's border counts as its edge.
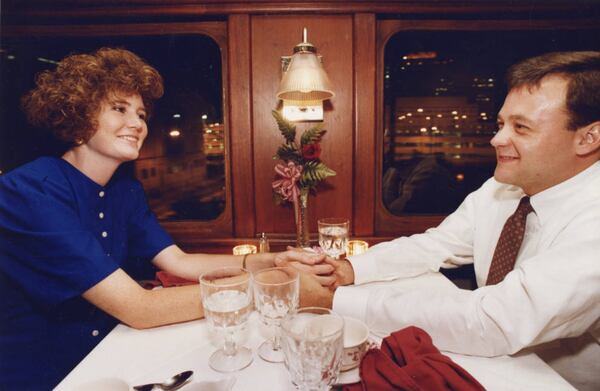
(313, 344)
(275, 294)
(227, 301)
(333, 236)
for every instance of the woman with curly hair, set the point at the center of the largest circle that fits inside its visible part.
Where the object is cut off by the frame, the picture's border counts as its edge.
(71, 226)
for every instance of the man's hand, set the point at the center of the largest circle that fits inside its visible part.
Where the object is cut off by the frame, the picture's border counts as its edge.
(312, 294)
(344, 273)
(310, 263)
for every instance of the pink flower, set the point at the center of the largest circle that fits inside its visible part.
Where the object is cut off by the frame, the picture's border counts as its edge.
(286, 186)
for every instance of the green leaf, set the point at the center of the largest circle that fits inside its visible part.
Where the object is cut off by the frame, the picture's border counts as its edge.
(313, 135)
(314, 172)
(287, 129)
(288, 152)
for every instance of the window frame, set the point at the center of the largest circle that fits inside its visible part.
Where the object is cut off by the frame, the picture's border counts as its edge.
(386, 223)
(181, 230)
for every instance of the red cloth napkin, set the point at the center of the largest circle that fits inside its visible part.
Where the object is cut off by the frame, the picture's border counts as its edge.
(408, 360)
(167, 280)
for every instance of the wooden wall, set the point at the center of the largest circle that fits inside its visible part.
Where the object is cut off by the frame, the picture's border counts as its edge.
(347, 44)
(273, 36)
(258, 33)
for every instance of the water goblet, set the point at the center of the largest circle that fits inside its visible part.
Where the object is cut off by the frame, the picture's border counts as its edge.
(313, 343)
(333, 235)
(276, 293)
(227, 301)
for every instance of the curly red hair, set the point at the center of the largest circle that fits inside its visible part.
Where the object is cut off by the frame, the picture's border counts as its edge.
(67, 100)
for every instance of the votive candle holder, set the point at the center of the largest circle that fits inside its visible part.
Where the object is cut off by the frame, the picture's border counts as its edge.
(356, 247)
(243, 249)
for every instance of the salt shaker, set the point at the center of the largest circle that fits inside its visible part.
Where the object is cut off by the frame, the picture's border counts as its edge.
(263, 243)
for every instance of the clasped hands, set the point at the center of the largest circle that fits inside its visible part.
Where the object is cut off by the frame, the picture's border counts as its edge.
(320, 275)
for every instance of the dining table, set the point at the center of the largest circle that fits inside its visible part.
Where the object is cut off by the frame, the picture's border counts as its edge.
(127, 357)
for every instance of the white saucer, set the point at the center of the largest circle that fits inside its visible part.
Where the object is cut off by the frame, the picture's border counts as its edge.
(348, 377)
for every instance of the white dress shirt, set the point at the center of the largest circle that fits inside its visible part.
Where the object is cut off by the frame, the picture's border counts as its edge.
(552, 293)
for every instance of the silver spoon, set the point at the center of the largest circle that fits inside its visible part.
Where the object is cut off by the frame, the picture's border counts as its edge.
(173, 383)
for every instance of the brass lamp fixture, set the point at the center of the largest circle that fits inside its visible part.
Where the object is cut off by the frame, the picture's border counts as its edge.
(304, 85)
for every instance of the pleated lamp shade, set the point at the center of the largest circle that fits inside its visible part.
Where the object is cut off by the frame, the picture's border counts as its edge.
(305, 80)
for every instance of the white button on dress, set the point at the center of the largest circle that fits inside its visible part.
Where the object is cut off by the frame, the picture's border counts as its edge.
(101, 194)
(95, 333)
(104, 234)
(101, 215)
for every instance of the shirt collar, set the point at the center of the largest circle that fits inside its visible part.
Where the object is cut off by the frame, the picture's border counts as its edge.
(547, 202)
(83, 185)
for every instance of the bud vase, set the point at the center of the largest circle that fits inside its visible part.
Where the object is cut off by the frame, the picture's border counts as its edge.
(302, 233)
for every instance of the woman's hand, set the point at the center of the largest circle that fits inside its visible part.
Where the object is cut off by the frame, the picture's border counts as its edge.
(309, 263)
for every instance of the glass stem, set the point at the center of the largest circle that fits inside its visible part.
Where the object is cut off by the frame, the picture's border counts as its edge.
(277, 341)
(229, 347)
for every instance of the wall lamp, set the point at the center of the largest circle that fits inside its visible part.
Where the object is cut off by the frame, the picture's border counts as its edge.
(304, 85)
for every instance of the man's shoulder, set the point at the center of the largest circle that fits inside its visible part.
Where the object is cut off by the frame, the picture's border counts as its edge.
(499, 191)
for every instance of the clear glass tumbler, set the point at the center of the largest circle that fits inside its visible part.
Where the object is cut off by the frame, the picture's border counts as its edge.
(333, 235)
(275, 295)
(227, 301)
(313, 344)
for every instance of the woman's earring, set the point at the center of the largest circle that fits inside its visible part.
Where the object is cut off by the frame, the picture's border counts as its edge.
(79, 141)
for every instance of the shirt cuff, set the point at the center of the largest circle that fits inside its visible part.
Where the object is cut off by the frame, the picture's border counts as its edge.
(347, 302)
(364, 267)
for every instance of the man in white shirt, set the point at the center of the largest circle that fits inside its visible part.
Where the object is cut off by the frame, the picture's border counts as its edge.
(547, 148)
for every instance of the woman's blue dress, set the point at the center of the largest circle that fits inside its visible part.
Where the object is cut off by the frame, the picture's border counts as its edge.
(61, 234)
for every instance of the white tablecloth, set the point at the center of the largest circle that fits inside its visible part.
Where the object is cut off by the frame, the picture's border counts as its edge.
(132, 357)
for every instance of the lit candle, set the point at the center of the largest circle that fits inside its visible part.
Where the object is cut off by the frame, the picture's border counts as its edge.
(356, 247)
(243, 249)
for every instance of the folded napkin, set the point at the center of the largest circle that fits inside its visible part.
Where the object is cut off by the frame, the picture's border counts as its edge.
(408, 360)
(168, 280)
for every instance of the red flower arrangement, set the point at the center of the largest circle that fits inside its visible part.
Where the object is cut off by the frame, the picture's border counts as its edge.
(302, 168)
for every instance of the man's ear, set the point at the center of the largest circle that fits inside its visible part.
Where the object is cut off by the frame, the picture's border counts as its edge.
(588, 140)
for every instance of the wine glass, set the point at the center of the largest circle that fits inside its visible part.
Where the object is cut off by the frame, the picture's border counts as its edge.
(227, 301)
(313, 345)
(275, 294)
(333, 235)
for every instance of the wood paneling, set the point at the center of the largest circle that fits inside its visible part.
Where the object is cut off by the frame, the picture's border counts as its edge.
(241, 145)
(350, 35)
(216, 30)
(364, 124)
(276, 36)
(191, 8)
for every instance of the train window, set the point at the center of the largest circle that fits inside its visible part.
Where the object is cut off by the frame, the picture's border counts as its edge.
(442, 91)
(182, 163)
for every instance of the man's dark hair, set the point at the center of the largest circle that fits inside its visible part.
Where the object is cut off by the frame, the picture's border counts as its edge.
(580, 69)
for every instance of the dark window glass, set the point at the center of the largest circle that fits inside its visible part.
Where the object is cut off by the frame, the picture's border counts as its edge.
(185, 149)
(442, 91)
